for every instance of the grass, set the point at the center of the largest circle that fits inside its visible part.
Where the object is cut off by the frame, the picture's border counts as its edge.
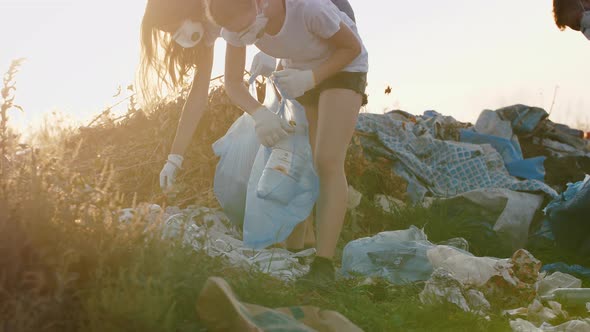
(115, 280)
(68, 265)
(96, 276)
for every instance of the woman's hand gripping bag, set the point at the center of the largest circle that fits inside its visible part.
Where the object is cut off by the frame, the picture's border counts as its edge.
(270, 216)
(288, 159)
(237, 151)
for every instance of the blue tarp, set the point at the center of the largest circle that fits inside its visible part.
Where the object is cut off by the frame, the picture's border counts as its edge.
(505, 147)
(569, 217)
(524, 119)
(532, 169)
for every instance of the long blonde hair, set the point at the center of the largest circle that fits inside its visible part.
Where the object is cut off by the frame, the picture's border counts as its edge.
(164, 65)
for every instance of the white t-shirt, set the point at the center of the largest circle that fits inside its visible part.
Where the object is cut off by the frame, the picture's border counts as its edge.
(301, 43)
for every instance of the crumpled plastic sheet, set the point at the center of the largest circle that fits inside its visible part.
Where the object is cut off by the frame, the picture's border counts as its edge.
(516, 211)
(572, 191)
(469, 282)
(510, 282)
(491, 129)
(524, 119)
(490, 123)
(538, 314)
(568, 217)
(398, 256)
(466, 268)
(521, 325)
(509, 151)
(443, 288)
(565, 134)
(208, 230)
(562, 150)
(557, 280)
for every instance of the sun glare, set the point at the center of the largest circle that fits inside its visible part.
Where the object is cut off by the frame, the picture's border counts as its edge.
(458, 58)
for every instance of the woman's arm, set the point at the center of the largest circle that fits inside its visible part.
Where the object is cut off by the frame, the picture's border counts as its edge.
(347, 47)
(235, 62)
(270, 128)
(196, 102)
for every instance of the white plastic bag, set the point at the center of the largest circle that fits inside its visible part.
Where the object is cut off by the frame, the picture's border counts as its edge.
(270, 219)
(237, 151)
(489, 123)
(555, 281)
(288, 159)
(398, 256)
(466, 268)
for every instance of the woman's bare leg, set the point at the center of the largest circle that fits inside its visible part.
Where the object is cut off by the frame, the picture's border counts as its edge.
(296, 240)
(338, 111)
(310, 240)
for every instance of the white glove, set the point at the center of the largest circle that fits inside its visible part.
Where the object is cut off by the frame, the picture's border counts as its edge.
(263, 64)
(293, 82)
(270, 128)
(168, 173)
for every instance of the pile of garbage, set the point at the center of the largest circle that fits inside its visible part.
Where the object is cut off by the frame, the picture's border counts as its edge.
(534, 300)
(487, 166)
(208, 230)
(528, 174)
(442, 157)
(515, 286)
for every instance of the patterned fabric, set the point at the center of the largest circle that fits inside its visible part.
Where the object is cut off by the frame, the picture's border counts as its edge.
(445, 168)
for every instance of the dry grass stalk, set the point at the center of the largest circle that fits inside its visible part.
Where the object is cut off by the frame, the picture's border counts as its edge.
(137, 146)
(6, 136)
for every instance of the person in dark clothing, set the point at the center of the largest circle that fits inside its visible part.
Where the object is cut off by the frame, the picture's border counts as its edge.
(574, 14)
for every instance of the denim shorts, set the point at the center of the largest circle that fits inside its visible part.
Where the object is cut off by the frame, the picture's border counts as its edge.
(356, 82)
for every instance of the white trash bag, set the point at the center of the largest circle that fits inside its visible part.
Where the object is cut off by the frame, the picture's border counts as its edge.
(237, 151)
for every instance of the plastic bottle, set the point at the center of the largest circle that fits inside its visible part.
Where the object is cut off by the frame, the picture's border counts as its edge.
(285, 165)
(570, 296)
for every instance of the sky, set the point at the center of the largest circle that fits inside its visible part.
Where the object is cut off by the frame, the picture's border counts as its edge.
(458, 57)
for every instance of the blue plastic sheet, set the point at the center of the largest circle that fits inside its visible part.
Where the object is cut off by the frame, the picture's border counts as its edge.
(398, 256)
(569, 217)
(510, 153)
(532, 169)
(524, 119)
(575, 270)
